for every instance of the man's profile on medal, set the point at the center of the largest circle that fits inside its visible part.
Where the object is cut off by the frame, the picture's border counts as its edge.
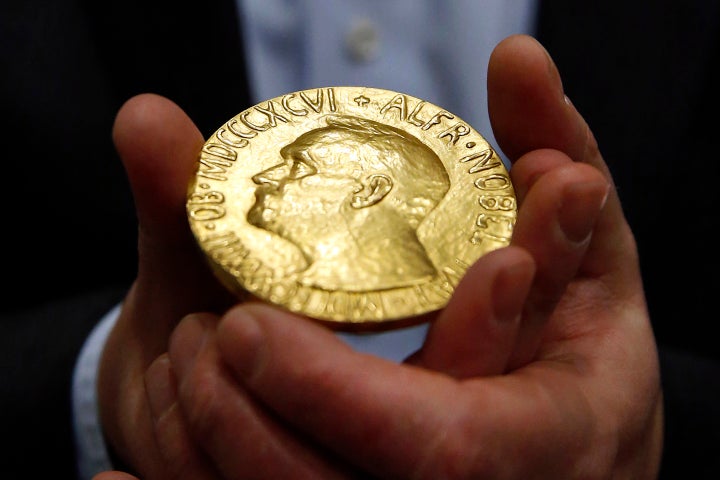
(350, 196)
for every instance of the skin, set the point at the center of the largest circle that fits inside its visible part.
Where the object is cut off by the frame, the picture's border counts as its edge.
(543, 364)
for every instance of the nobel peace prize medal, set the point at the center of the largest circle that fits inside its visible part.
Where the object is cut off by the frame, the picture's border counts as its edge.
(359, 207)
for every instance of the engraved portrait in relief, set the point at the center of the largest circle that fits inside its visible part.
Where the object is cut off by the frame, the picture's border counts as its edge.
(351, 195)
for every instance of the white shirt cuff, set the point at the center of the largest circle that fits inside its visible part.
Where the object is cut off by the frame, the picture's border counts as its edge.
(92, 453)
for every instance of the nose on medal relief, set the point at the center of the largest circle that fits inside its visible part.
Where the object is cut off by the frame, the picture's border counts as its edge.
(358, 207)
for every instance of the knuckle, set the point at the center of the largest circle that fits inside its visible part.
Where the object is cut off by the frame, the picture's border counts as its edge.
(203, 404)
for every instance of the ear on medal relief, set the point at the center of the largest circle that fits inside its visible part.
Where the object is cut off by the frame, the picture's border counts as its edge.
(375, 188)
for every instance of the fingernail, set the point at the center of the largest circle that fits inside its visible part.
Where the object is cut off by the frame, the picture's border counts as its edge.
(240, 339)
(186, 342)
(160, 387)
(581, 205)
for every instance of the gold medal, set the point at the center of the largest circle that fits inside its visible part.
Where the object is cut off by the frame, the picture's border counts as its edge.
(359, 207)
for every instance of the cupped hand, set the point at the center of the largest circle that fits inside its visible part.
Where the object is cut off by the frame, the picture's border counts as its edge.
(158, 145)
(543, 364)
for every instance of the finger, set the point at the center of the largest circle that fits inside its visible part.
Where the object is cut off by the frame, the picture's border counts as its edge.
(475, 333)
(183, 460)
(159, 144)
(243, 440)
(467, 339)
(529, 111)
(527, 169)
(555, 226)
(552, 231)
(395, 420)
(114, 476)
(338, 396)
(527, 106)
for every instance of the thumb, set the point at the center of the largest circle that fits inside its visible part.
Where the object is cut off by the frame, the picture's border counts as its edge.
(158, 144)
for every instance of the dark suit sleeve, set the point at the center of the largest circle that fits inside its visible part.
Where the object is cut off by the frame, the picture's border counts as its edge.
(39, 348)
(69, 223)
(691, 385)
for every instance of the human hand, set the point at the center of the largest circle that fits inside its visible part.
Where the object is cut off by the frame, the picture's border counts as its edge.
(158, 145)
(543, 364)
